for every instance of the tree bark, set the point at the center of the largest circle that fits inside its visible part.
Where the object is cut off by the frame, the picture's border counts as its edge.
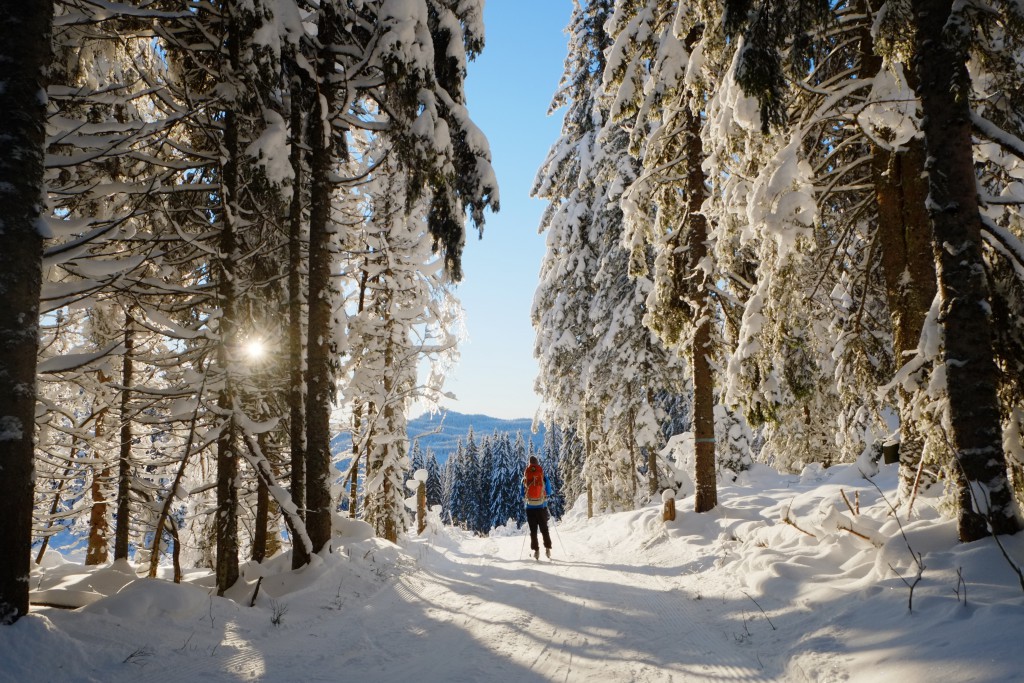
(320, 350)
(25, 42)
(124, 469)
(296, 393)
(908, 267)
(690, 284)
(971, 374)
(96, 552)
(260, 524)
(226, 520)
(652, 458)
(353, 480)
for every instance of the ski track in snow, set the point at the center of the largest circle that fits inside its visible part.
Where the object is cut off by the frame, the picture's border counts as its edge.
(626, 598)
(494, 616)
(482, 611)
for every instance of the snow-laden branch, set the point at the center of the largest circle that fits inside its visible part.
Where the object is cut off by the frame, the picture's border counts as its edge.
(1005, 242)
(254, 455)
(1009, 142)
(76, 361)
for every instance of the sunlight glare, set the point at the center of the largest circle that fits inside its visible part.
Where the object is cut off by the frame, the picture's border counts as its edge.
(255, 349)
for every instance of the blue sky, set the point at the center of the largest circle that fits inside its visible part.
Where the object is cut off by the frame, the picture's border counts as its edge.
(509, 89)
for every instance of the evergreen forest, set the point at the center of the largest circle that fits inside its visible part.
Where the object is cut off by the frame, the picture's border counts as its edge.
(784, 234)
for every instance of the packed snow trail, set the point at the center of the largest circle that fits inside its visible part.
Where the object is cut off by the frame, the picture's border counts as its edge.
(450, 608)
(481, 612)
(626, 598)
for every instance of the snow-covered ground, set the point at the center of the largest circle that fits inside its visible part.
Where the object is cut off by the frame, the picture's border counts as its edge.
(733, 595)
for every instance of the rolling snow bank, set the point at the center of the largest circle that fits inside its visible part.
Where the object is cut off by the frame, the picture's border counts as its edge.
(790, 578)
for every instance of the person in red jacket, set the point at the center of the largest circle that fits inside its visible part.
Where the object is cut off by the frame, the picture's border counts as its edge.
(536, 489)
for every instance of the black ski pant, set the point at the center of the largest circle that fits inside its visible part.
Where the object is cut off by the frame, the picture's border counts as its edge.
(538, 517)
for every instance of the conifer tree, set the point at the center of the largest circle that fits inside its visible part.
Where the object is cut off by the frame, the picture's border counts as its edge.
(25, 36)
(484, 486)
(519, 456)
(435, 483)
(505, 482)
(550, 462)
(600, 369)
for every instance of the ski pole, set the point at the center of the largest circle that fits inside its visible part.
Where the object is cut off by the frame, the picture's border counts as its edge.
(521, 546)
(559, 537)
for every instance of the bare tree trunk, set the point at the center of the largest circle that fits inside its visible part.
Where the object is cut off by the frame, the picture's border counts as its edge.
(634, 485)
(124, 469)
(226, 520)
(908, 267)
(96, 552)
(421, 507)
(353, 479)
(259, 540)
(25, 46)
(261, 523)
(320, 349)
(164, 518)
(976, 435)
(652, 458)
(909, 272)
(296, 395)
(693, 293)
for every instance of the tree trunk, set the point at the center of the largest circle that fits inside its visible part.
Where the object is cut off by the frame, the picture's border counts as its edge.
(124, 469)
(975, 433)
(690, 287)
(259, 539)
(652, 458)
(909, 272)
(25, 42)
(320, 364)
(96, 552)
(296, 395)
(421, 507)
(908, 268)
(226, 520)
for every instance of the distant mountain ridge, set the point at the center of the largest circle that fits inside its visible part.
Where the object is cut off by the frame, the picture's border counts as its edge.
(441, 431)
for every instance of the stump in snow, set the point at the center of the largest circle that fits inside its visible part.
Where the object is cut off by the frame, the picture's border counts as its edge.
(669, 511)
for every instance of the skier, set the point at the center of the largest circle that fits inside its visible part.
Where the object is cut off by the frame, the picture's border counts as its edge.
(536, 489)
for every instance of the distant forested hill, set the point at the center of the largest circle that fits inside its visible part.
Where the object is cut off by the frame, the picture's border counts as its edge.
(440, 432)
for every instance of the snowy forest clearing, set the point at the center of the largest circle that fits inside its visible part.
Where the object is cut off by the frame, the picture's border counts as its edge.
(627, 598)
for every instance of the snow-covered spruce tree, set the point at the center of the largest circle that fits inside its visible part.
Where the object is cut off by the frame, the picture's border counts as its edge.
(940, 52)
(889, 120)
(571, 456)
(406, 317)
(653, 93)
(985, 498)
(793, 367)
(447, 490)
(620, 367)
(484, 486)
(472, 474)
(435, 482)
(460, 486)
(101, 184)
(996, 106)
(415, 103)
(560, 311)
(519, 456)
(779, 370)
(25, 35)
(550, 461)
(417, 459)
(506, 477)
